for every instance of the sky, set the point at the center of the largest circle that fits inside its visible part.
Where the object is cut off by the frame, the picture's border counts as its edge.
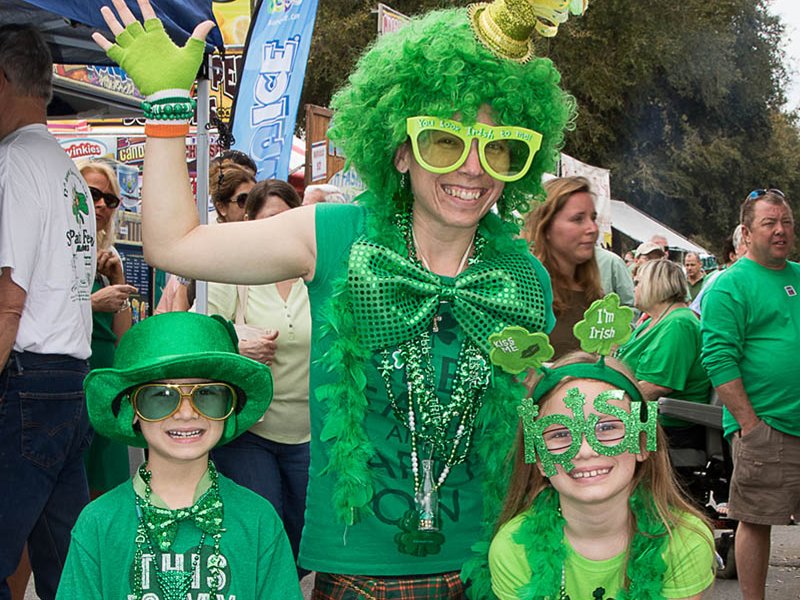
(789, 11)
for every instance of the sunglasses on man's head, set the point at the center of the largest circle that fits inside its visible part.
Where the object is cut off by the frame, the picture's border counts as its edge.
(759, 193)
(443, 145)
(241, 199)
(110, 200)
(158, 401)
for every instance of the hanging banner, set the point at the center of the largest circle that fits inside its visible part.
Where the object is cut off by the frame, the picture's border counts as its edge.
(268, 94)
(390, 20)
(600, 180)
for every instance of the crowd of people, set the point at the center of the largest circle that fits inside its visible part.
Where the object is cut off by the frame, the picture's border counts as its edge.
(346, 410)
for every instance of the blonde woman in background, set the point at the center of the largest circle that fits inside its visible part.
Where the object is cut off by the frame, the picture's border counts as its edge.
(106, 461)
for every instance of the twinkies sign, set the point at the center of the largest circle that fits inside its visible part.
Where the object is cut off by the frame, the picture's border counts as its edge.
(265, 107)
(84, 148)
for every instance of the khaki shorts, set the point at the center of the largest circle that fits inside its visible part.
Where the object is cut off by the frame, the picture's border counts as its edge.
(765, 487)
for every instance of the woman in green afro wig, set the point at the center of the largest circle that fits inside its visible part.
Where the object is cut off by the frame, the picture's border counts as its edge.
(410, 421)
(436, 66)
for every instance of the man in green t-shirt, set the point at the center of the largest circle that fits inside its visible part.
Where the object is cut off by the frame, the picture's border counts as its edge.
(750, 327)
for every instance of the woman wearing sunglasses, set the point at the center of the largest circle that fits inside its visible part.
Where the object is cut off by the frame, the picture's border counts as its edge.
(106, 462)
(443, 120)
(229, 184)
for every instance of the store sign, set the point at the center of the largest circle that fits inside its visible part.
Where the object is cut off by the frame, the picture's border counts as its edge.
(84, 148)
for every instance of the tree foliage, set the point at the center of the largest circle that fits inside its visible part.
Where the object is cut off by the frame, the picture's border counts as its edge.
(682, 101)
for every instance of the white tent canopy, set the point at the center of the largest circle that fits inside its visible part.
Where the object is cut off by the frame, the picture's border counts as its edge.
(640, 226)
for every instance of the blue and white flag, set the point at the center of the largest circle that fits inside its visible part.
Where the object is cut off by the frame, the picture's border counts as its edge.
(268, 93)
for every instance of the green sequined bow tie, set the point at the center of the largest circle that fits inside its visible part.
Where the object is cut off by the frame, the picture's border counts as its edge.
(395, 299)
(162, 523)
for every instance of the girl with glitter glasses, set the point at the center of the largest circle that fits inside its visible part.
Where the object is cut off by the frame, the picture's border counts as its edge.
(593, 510)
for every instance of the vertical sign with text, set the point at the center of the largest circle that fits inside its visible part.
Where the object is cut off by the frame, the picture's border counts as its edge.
(268, 94)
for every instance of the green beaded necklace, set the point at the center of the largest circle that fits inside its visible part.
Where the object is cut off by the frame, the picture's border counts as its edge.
(425, 417)
(157, 522)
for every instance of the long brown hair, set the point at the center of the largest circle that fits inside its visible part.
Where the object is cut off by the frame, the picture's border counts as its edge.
(654, 473)
(538, 223)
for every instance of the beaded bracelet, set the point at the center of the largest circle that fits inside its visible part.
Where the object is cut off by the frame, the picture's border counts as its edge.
(169, 110)
(168, 113)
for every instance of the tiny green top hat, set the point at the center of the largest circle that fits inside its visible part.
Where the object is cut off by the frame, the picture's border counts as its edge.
(506, 26)
(172, 346)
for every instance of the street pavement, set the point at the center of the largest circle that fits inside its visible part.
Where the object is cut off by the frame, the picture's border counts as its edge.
(783, 581)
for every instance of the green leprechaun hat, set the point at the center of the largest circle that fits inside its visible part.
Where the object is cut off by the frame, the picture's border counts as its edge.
(171, 346)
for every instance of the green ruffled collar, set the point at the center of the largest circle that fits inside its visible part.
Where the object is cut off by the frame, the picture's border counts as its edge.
(542, 531)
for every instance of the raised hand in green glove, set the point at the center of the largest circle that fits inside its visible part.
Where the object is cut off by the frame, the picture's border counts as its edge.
(147, 54)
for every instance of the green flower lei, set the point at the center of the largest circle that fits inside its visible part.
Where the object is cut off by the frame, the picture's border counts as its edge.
(542, 533)
(347, 359)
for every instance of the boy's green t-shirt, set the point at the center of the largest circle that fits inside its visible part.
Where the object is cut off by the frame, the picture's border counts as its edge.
(689, 557)
(255, 555)
(369, 547)
(668, 354)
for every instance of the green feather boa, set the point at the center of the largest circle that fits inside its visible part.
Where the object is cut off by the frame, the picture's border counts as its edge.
(347, 359)
(542, 534)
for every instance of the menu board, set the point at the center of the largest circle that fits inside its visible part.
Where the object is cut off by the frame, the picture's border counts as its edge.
(140, 275)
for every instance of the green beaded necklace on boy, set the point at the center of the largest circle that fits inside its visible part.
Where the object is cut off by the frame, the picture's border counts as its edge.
(161, 525)
(605, 323)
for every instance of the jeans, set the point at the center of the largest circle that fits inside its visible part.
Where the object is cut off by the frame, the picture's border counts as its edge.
(275, 471)
(43, 431)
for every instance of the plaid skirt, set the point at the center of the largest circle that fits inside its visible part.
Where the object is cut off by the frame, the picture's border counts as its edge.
(441, 586)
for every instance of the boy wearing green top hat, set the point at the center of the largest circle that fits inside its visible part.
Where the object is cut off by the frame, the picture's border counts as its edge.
(178, 530)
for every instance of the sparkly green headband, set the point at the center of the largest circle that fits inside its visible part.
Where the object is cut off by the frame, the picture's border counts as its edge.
(598, 371)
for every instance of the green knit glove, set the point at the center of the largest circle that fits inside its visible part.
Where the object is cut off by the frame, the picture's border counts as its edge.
(152, 59)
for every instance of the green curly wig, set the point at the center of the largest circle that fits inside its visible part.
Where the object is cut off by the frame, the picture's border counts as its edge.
(436, 66)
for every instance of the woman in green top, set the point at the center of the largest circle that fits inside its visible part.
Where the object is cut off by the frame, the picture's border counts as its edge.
(106, 461)
(664, 352)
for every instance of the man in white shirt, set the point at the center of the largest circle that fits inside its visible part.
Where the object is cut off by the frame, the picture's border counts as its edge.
(47, 267)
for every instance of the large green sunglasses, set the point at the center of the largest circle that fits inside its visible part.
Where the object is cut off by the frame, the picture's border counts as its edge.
(442, 146)
(159, 401)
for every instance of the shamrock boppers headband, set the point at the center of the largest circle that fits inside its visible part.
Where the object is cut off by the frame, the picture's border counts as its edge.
(556, 439)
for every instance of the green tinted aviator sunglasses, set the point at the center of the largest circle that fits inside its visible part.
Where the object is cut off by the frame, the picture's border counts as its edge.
(158, 401)
(442, 146)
